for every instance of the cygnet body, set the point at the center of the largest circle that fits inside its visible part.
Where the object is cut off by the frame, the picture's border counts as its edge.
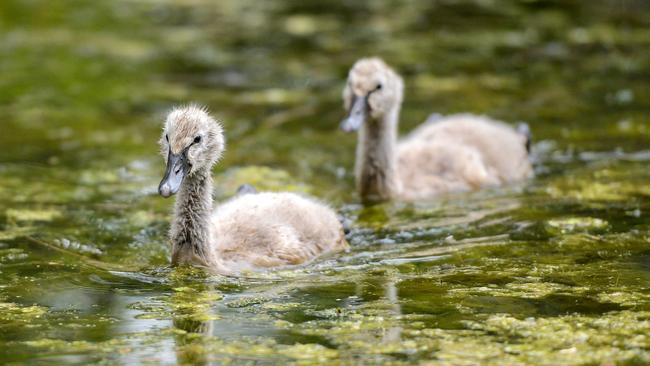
(445, 154)
(248, 232)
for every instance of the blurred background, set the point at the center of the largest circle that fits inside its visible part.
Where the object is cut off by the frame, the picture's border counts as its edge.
(85, 86)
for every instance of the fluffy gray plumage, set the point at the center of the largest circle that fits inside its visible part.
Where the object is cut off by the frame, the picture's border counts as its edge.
(248, 232)
(446, 154)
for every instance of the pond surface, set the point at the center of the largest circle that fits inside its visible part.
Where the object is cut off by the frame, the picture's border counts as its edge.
(553, 271)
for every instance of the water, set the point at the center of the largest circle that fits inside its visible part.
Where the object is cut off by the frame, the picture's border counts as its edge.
(553, 271)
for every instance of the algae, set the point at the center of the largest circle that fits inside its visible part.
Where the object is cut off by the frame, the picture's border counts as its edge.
(12, 312)
(27, 215)
(573, 224)
(262, 178)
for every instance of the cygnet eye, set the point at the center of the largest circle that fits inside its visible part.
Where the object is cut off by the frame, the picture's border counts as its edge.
(197, 139)
(379, 86)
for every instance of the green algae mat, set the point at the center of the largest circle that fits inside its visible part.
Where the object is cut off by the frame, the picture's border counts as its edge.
(555, 271)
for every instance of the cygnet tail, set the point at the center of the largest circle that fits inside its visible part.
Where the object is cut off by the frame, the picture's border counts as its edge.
(524, 130)
(246, 189)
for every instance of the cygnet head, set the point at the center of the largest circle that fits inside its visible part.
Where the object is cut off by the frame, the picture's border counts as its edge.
(373, 89)
(192, 142)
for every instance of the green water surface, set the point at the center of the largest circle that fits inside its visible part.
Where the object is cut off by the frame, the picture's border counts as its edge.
(554, 271)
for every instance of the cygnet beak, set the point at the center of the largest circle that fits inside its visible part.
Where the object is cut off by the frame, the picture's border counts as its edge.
(357, 115)
(177, 168)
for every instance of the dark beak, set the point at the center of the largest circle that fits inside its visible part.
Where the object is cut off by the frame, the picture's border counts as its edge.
(357, 115)
(177, 168)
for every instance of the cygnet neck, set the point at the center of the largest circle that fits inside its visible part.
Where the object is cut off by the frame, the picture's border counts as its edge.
(376, 162)
(190, 231)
